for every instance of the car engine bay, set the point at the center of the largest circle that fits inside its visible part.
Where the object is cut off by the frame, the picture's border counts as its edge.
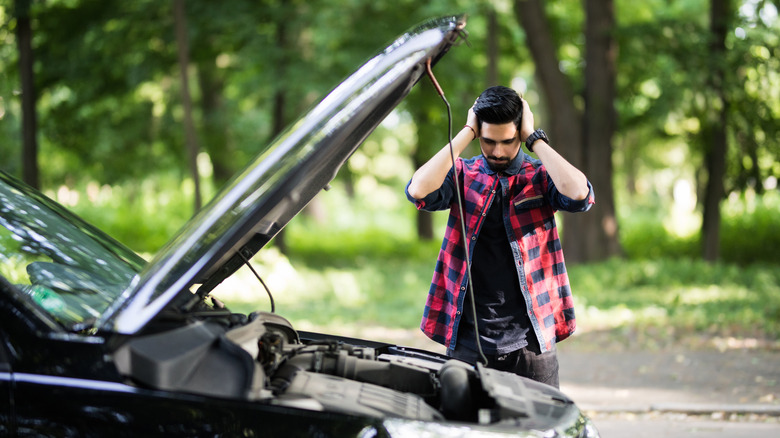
(264, 359)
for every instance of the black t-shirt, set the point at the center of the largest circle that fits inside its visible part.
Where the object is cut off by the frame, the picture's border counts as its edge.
(501, 308)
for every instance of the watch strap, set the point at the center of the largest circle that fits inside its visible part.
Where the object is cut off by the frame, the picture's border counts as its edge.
(536, 135)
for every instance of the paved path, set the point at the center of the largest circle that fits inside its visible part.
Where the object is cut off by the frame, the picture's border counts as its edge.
(701, 392)
(673, 389)
(669, 426)
(642, 380)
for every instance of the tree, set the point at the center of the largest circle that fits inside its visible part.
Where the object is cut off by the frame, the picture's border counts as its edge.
(191, 141)
(104, 72)
(600, 238)
(29, 115)
(586, 143)
(715, 129)
(279, 110)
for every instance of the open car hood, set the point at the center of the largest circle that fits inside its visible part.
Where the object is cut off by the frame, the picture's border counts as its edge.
(260, 200)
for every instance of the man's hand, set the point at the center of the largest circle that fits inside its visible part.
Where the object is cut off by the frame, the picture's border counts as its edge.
(430, 175)
(527, 122)
(471, 120)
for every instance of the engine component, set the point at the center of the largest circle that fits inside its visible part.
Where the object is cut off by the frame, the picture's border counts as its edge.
(457, 399)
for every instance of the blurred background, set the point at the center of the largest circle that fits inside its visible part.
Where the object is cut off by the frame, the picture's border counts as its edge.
(134, 114)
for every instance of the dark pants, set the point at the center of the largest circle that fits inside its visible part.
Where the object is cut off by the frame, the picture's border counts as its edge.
(542, 367)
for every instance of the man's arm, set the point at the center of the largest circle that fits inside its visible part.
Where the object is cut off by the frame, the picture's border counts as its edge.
(569, 180)
(430, 176)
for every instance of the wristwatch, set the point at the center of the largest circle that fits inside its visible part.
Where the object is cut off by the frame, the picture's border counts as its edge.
(536, 135)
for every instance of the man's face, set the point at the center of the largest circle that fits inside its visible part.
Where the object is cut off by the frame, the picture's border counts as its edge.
(500, 144)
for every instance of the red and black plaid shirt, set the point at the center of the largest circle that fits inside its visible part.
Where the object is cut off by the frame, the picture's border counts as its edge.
(535, 245)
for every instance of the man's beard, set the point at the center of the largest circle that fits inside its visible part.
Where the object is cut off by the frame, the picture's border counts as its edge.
(498, 164)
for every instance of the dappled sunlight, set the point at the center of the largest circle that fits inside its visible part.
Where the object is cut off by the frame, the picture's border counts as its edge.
(154, 93)
(291, 286)
(275, 269)
(371, 205)
(342, 287)
(67, 196)
(346, 288)
(241, 286)
(592, 318)
(683, 219)
(700, 295)
(733, 343)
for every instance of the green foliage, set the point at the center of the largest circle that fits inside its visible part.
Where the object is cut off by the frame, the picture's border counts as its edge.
(647, 238)
(369, 277)
(348, 249)
(143, 216)
(749, 228)
(109, 108)
(748, 234)
(666, 87)
(687, 295)
(97, 63)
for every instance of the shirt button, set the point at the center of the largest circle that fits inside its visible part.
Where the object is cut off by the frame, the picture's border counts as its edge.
(458, 312)
(473, 237)
(484, 214)
(492, 191)
(463, 288)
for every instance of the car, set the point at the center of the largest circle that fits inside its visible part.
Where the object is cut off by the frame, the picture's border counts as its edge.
(96, 341)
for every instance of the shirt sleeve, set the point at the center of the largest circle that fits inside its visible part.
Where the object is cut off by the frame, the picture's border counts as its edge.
(439, 199)
(562, 202)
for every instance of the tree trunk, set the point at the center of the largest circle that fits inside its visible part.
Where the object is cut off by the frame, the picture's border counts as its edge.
(591, 236)
(420, 156)
(493, 33)
(189, 128)
(428, 141)
(715, 131)
(601, 238)
(215, 135)
(564, 126)
(279, 110)
(27, 76)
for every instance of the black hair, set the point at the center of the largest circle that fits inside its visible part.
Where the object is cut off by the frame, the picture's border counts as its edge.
(499, 105)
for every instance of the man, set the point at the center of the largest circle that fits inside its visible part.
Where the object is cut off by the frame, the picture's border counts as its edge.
(521, 289)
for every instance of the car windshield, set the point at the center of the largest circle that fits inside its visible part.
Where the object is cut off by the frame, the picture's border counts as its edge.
(66, 267)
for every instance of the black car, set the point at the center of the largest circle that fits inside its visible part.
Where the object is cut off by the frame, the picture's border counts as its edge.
(95, 341)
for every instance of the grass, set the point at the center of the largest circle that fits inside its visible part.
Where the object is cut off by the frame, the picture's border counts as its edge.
(670, 299)
(348, 279)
